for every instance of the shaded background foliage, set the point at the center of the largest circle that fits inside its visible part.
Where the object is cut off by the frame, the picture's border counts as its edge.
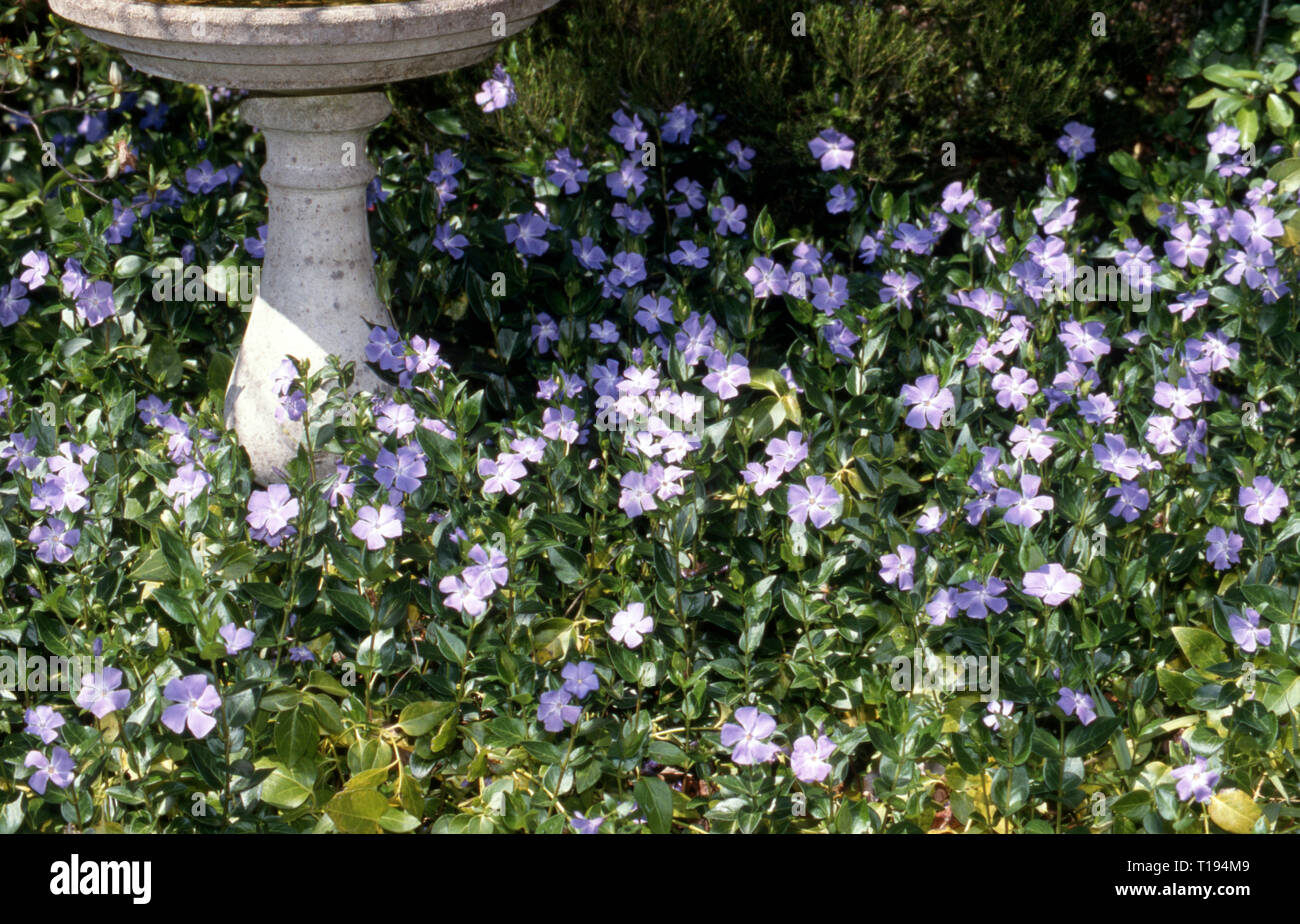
(996, 77)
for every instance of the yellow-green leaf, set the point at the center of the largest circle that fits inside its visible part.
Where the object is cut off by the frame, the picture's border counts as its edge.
(1202, 649)
(1234, 811)
(357, 811)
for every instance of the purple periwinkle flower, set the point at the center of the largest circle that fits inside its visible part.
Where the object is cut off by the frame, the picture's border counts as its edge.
(194, 699)
(1052, 584)
(833, 149)
(580, 679)
(809, 759)
(100, 694)
(59, 769)
(928, 402)
(376, 527)
(1222, 548)
(237, 638)
(1246, 632)
(1080, 705)
(815, 500)
(1077, 140)
(896, 567)
(43, 722)
(1195, 781)
(747, 736)
(269, 513)
(554, 710)
(1263, 501)
(497, 92)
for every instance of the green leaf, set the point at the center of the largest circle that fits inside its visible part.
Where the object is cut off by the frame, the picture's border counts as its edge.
(1203, 649)
(1279, 113)
(287, 787)
(357, 811)
(1125, 164)
(325, 683)
(1085, 739)
(1204, 99)
(1283, 696)
(1234, 811)
(421, 718)
(8, 553)
(296, 734)
(568, 564)
(1286, 174)
(655, 799)
(1224, 76)
(1272, 601)
(445, 121)
(398, 821)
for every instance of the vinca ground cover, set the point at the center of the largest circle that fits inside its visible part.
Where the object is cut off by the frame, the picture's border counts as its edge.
(927, 513)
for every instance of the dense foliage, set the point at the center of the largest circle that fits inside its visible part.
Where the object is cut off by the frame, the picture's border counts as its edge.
(669, 507)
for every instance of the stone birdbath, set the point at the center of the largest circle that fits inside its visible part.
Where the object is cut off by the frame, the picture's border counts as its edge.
(312, 70)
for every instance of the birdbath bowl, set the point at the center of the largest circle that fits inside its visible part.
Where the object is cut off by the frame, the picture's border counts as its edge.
(312, 70)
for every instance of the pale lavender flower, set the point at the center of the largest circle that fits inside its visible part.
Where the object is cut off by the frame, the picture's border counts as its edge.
(809, 759)
(100, 694)
(815, 500)
(1026, 508)
(942, 606)
(998, 712)
(1263, 501)
(1195, 781)
(834, 150)
(1078, 704)
(376, 527)
(554, 710)
(497, 92)
(1246, 632)
(43, 722)
(58, 769)
(747, 736)
(195, 699)
(1221, 548)
(237, 638)
(631, 625)
(1052, 584)
(928, 402)
(896, 567)
(269, 513)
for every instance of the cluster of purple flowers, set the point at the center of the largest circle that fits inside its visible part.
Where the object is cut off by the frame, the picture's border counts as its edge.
(556, 708)
(470, 591)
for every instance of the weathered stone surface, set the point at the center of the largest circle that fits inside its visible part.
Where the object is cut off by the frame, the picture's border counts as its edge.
(317, 295)
(301, 49)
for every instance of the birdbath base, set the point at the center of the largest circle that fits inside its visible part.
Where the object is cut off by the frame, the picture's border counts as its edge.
(317, 294)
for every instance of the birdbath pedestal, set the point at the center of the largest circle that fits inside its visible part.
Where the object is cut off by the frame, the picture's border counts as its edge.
(312, 74)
